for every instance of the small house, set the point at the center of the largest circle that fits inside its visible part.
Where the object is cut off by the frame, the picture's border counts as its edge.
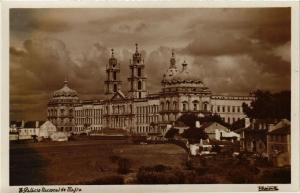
(279, 143)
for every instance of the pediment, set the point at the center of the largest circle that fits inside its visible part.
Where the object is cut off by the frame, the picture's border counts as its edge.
(118, 96)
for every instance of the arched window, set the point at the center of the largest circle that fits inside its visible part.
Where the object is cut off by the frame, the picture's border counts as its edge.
(162, 106)
(174, 105)
(205, 107)
(195, 105)
(139, 85)
(168, 105)
(184, 106)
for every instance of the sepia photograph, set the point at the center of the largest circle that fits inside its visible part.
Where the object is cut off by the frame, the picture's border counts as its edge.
(150, 96)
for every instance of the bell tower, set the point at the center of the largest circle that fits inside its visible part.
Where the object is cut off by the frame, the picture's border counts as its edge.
(137, 77)
(112, 82)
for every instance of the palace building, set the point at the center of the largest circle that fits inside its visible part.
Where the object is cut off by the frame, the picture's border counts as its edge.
(139, 111)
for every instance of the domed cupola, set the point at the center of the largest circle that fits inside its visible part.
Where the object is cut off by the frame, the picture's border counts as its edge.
(172, 70)
(185, 76)
(65, 91)
(184, 81)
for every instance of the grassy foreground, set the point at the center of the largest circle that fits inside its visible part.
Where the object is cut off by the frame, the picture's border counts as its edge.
(81, 162)
(95, 162)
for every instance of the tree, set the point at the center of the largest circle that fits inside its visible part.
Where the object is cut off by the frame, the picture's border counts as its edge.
(190, 119)
(194, 134)
(269, 106)
(171, 133)
(238, 124)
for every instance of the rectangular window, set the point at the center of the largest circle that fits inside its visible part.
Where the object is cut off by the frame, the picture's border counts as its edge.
(115, 75)
(233, 109)
(223, 109)
(218, 109)
(184, 106)
(228, 108)
(139, 72)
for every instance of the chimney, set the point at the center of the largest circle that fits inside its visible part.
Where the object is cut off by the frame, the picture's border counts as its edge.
(247, 122)
(197, 124)
(36, 124)
(23, 124)
(260, 126)
(271, 127)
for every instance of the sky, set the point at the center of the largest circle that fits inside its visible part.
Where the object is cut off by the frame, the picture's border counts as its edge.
(232, 50)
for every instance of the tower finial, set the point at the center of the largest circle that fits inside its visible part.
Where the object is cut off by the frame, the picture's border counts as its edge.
(66, 81)
(112, 53)
(184, 65)
(173, 54)
(136, 48)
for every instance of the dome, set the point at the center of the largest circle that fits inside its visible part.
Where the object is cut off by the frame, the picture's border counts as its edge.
(65, 91)
(185, 76)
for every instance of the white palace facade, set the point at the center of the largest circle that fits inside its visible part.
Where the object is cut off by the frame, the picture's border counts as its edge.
(140, 112)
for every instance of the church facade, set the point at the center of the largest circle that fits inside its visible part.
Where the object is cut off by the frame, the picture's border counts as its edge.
(140, 112)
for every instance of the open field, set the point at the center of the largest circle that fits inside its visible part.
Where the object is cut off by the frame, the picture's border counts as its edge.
(98, 162)
(77, 162)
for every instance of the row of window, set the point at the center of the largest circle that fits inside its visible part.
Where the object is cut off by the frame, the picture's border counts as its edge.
(120, 109)
(185, 106)
(89, 112)
(226, 109)
(147, 119)
(94, 128)
(147, 109)
(278, 138)
(118, 122)
(60, 112)
(143, 129)
(60, 121)
(89, 121)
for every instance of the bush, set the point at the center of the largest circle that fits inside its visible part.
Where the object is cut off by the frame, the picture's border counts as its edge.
(282, 175)
(201, 170)
(204, 180)
(216, 148)
(111, 179)
(194, 178)
(114, 158)
(262, 162)
(159, 175)
(189, 164)
(160, 168)
(242, 174)
(124, 165)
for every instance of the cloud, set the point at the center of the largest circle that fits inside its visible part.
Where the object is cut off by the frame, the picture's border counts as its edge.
(283, 51)
(217, 43)
(29, 20)
(233, 51)
(237, 74)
